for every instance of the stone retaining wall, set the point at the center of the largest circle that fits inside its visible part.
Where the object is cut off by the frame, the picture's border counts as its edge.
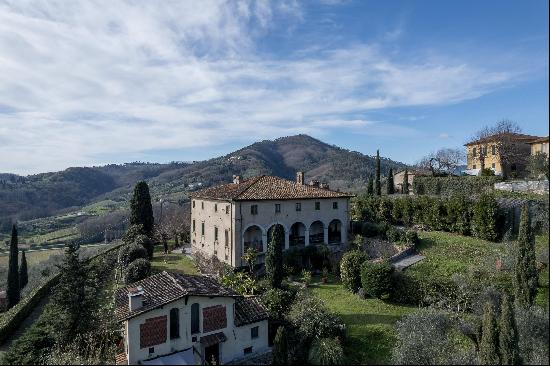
(531, 186)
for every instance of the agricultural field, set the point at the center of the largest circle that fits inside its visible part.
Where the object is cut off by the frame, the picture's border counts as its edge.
(370, 323)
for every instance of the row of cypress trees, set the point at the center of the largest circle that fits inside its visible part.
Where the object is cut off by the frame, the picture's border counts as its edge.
(17, 274)
(374, 185)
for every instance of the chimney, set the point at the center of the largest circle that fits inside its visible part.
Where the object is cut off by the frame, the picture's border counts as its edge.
(236, 179)
(314, 183)
(135, 298)
(324, 185)
(300, 178)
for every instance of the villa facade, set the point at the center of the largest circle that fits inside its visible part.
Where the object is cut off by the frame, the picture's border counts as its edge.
(228, 219)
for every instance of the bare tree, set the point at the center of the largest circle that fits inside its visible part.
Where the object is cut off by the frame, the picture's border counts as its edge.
(175, 223)
(443, 162)
(512, 150)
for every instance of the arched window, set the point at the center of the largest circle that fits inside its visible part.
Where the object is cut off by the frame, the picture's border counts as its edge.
(195, 327)
(174, 323)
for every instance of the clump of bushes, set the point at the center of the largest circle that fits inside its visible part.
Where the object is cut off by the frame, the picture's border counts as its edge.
(350, 269)
(326, 351)
(447, 186)
(376, 278)
(137, 270)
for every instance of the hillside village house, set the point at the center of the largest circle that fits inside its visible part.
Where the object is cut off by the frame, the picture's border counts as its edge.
(488, 148)
(540, 146)
(399, 179)
(176, 319)
(228, 219)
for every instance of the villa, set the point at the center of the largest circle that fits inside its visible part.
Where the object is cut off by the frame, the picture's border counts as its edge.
(228, 219)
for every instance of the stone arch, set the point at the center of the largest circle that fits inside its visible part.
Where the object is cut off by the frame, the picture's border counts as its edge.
(253, 237)
(335, 232)
(317, 232)
(297, 234)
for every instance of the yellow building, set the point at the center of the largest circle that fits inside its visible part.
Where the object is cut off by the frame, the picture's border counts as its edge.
(487, 149)
(540, 146)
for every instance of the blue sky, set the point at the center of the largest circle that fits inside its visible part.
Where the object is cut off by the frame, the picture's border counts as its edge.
(96, 82)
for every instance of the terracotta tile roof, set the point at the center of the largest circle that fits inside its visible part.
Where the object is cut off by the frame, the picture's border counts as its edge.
(249, 310)
(120, 359)
(265, 187)
(516, 136)
(163, 288)
(211, 339)
(539, 140)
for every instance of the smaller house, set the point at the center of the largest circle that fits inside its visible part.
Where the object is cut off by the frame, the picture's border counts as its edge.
(172, 318)
(540, 146)
(399, 178)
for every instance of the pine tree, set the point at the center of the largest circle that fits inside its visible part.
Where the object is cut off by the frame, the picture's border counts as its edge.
(377, 187)
(390, 188)
(508, 335)
(280, 347)
(526, 275)
(488, 347)
(370, 186)
(23, 272)
(141, 210)
(13, 292)
(274, 257)
(406, 182)
(74, 296)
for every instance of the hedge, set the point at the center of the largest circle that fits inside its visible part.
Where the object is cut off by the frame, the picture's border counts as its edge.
(12, 319)
(447, 186)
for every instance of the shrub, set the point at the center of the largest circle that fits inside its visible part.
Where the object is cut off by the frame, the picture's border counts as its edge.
(306, 277)
(460, 214)
(326, 351)
(376, 278)
(313, 320)
(130, 252)
(447, 186)
(533, 335)
(137, 270)
(393, 234)
(241, 282)
(484, 220)
(147, 243)
(411, 236)
(350, 269)
(277, 302)
(369, 229)
(280, 347)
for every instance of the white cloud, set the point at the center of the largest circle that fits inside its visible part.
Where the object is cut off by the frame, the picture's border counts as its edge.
(83, 80)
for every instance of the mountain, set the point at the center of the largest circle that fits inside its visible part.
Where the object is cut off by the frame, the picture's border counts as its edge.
(44, 194)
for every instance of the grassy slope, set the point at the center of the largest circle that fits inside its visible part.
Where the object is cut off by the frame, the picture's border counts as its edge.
(370, 323)
(173, 262)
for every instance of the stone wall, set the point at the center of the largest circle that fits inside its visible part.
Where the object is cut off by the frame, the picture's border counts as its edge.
(531, 186)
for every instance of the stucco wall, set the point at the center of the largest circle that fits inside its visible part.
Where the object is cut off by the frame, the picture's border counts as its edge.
(238, 338)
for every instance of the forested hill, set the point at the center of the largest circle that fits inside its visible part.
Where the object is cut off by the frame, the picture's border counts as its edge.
(45, 194)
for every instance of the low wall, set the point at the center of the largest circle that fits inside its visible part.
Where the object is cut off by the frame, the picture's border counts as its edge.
(531, 186)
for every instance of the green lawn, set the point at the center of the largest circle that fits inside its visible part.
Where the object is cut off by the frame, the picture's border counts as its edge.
(173, 262)
(370, 323)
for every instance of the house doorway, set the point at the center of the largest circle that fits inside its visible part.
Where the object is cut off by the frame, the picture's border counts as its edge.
(212, 354)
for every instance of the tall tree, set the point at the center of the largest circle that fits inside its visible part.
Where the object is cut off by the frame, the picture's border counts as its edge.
(406, 182)
(526, 275)
(23, 272)
(488, 347)
(370, 186)
(274, 257)
(280, 347)
(508, 335)
(389, 183)
(74, 296)
(377, 187)
(141, 209)
(13, 291)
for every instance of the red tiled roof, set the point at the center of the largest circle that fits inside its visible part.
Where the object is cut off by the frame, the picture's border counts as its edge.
(163, 288)
(249, 310)
(516, 136)
(120, 359)
(538, 141)
(266, 187)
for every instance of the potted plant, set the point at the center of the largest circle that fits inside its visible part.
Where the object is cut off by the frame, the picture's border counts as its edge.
(324, 278)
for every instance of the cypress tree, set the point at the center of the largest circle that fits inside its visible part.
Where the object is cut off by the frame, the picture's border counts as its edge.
(526, 275)
(274, 257)
(377, 187)
(13, 292)
(508, 335)
(370, 186)
(488, 347)
(23, 272)
(141, 209)
(280, 347)
(390, 188)
(406, 182)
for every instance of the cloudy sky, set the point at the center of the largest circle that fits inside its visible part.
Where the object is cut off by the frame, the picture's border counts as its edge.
(96, 82)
